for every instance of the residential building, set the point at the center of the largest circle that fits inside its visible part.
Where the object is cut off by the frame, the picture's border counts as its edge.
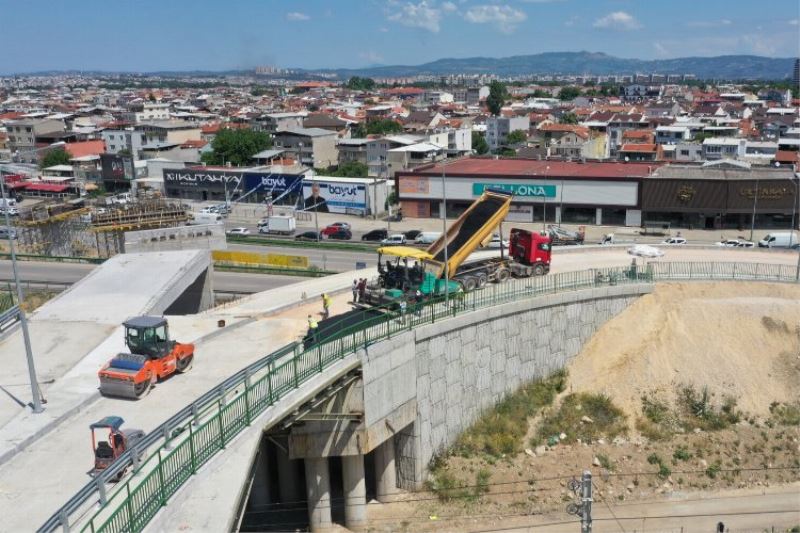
(672, 134)
(169, 131)
(459, 142)
(23, 136)
(146, 112)
(497, 128)
(272, 122)
(413, 156)
(314, 147)
(352, 150)
(378, 151)
(723, 148)
(324, 121)
(118, 140)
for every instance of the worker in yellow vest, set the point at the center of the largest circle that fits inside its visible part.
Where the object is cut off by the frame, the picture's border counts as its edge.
(313, 326)
(326, 305)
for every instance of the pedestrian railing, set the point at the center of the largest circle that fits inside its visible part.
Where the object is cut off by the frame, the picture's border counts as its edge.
(190, 438)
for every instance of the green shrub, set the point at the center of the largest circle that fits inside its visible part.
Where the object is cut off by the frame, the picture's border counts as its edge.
(654, 459)
(608, 420)
(713, 469)
(785, 414)
(681, 454)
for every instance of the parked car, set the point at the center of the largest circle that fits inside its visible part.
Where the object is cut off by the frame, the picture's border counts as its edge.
(308, 236)
(7, 233)
(427, 237)
(674, 240)
(238, 232)
(735, 243)
(336, 226)
(12, 211)
(341, 235)
(412, 234)
(496, 242)
(645, 250)
(394, 240)
(376, 235)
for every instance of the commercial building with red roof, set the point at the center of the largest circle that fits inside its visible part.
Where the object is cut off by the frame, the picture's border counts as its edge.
(573, 192)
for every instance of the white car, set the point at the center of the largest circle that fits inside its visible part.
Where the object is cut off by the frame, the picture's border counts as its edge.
(233, 232)
(645, 250)
(496, 242)
(674, 240)
(735, 243)
(395, 240)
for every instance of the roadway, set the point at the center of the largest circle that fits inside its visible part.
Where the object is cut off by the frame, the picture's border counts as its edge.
(63, 273)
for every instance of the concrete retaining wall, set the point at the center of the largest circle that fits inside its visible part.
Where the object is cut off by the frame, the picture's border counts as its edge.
(465, 365)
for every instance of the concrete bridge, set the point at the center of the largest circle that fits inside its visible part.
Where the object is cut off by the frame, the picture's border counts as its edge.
(309, 434)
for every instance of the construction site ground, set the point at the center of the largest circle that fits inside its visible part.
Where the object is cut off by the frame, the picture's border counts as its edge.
(737, 339)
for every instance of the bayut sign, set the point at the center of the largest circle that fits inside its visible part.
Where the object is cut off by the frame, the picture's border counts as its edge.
(339, 197)
(517, 189)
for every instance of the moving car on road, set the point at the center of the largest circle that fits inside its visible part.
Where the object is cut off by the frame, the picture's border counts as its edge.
(375, 235)
(674, 240)
(496, 243)
(645, 250)
(340, 235)
(412, 234)
(735, 243)
(308, 236)
(238, 232)
(394, 240)
(336, 226)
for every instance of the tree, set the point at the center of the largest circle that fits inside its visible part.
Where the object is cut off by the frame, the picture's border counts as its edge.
(569, 93)
(497, 97)
(124, 152)
(351, 169)
(59, 156)
(377, 127)
(360, 84)
(569, 118)
(516, 137)
(479, 143)
(539, 93)
(236, 146)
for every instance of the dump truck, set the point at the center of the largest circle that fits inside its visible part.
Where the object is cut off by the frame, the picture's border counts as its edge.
(153, 356)
(109, 441)
(446, 265)
(560, 236)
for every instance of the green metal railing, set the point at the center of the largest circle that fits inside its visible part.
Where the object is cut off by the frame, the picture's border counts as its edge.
(194, 436)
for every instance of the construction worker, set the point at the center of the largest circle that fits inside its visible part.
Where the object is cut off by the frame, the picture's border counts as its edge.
(326, 305)
(313, 326)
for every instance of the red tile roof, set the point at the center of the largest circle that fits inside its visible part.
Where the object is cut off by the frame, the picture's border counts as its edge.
(83, 148)
(194, 143)
(527, 167)
(13, 115)
(640, 148)
(46, 187)
(787, 156)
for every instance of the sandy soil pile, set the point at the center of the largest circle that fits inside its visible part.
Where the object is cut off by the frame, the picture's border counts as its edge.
(737, 338)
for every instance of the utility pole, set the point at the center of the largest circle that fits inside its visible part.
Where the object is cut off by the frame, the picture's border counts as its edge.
(586, 502)
(23, 322)
(444, 237)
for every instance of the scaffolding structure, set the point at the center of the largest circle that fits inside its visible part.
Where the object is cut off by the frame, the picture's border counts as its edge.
(64, 230)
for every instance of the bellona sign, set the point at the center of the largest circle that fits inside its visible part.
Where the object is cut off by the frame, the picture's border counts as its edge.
(517, 189)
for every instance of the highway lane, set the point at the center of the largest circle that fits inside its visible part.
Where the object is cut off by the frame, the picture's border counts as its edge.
(235, 282)
(337, 260)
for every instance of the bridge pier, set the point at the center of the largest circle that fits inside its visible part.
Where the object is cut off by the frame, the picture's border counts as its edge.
(385, 470)
(289, 489)
(355, 492)
(260, 489)
(318, 489)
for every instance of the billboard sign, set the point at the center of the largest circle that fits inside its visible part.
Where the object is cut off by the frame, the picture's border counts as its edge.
(337, 197)
(116, 167)
(517, 189)
(230, 180)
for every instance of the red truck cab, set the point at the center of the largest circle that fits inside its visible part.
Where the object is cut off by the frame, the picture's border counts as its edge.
(530, 248)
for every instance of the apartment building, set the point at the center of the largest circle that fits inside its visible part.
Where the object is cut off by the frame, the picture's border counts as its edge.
(23, 134)
(497, 128)
(313, 147)
(119, 140)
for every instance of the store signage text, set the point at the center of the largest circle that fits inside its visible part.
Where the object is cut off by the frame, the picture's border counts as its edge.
(517, 189)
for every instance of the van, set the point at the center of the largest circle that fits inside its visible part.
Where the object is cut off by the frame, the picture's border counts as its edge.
(196, 219)
(781, 239)
(394, 240)
(427, 237)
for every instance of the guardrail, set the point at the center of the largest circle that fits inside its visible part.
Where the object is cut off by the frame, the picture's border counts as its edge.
(190, 438)
(55, 258)
(317, 245)
(253, 269)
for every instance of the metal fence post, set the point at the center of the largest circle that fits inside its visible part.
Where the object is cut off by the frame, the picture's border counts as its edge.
(191, 450)
(161, 480)
(247, 395)
(129, 506)
(63, 518)
(221, 429)
(195, 414)
(165, 432)
(101, 490)
(296, 377)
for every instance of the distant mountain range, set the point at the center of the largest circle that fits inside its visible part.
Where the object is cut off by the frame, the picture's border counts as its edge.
(734, 67)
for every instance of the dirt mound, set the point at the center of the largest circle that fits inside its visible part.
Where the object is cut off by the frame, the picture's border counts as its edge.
(738, 339)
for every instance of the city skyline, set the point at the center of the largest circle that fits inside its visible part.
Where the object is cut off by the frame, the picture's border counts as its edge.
(180, 36)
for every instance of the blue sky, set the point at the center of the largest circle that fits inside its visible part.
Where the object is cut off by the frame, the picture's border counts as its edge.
(142, 35)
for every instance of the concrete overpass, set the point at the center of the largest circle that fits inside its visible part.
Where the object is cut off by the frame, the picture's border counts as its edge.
(253, 314)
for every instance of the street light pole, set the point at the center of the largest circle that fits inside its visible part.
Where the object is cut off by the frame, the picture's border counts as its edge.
(444, 237)
(544, 197)
(753, 219)
(37, 398)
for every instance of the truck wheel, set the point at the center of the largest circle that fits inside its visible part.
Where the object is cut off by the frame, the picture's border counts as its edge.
(468, 283)
(482, 279)
(538, 270)
(185, 364)
(502, 275)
